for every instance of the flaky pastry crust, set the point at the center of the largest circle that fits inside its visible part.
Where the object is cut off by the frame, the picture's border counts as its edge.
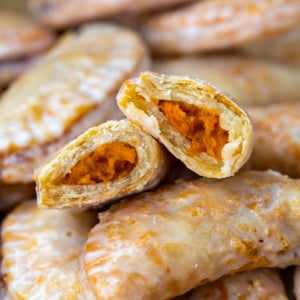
(58, 187)
(219, 140)
(70, 90)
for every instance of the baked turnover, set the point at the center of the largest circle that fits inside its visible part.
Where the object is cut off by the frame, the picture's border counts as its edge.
(70, 90)
(106, 162)
(41, 250)
(195, 121)
(161, 244)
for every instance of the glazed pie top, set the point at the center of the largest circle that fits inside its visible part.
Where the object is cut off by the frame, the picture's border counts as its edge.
(82, 73)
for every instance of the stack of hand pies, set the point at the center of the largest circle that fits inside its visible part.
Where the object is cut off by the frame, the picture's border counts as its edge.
(149, 150)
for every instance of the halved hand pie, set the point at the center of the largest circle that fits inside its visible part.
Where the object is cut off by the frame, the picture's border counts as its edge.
(70, 90)
(197, 123)
(106, 162)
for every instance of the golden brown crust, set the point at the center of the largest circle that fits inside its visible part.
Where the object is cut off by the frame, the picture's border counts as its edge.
(47, 107)
(20, 37)
(57, 187)
(221, 132)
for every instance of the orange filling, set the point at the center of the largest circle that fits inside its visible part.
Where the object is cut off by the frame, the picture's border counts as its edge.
(108, 162)
(199, 125)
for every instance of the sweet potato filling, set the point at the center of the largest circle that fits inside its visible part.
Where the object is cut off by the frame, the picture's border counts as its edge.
(108, 162)
(200, 125)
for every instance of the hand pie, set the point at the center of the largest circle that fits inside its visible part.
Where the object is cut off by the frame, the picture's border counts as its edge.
(257, 284)
(70, 90)
(106, 162)
(61, 14)
(196, 122)
(250, 81)
(283, 47)
(218, 24)
(161, 244)
(277, 144)
(20, 37)
(41, 250)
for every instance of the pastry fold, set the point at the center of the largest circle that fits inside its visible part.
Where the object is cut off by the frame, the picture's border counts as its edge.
(106, 162)
(277, 144)
(250, 81)
(195, 121)
(161, 244)
(257, 284)
(40, 252)
(71, 89)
